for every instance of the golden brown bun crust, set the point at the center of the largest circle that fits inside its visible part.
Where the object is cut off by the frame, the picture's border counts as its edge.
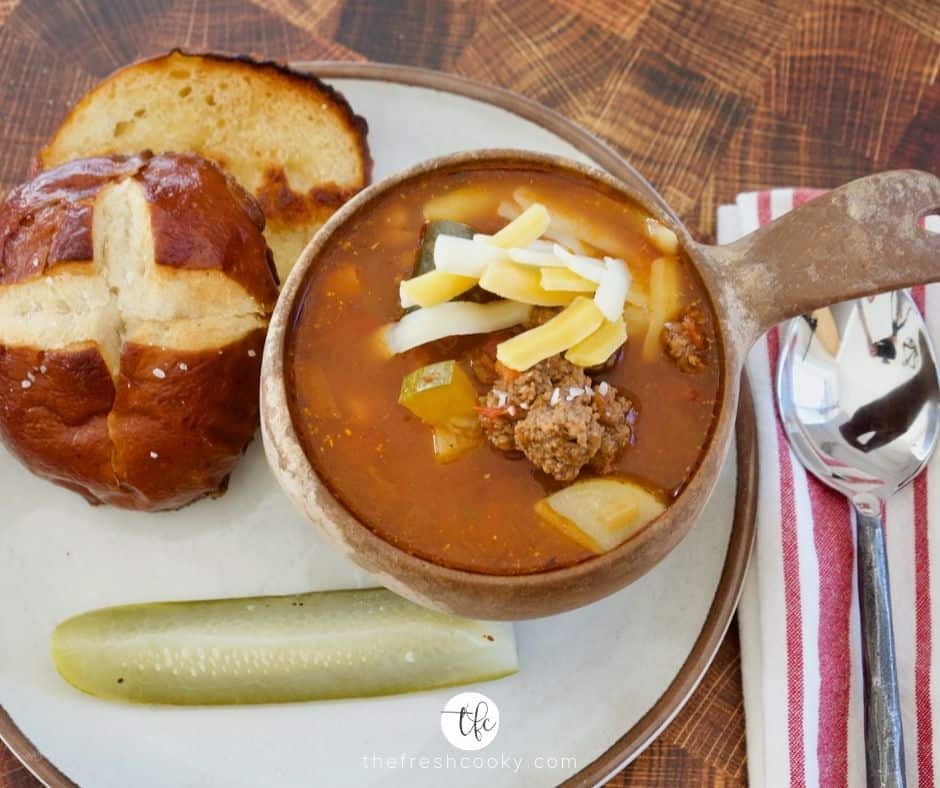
(291, 140)
(75, 428)
(163, 425)
(57, 426)
(202, 219)
(208, 411)
(47, 220)
(277, 199)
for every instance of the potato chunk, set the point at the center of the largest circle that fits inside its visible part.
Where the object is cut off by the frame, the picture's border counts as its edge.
(664, 301)
(600, 513)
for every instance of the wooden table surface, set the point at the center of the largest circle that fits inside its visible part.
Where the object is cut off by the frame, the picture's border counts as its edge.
(706, 98)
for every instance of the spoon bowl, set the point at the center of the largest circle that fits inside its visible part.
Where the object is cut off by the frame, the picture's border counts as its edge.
(859, 395)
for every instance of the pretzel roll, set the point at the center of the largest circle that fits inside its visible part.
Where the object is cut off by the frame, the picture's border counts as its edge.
(134, 297)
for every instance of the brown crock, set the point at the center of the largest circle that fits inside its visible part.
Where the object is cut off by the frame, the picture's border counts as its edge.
(862, 238)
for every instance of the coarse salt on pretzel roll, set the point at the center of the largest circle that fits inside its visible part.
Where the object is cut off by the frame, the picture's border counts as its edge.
(134, 297)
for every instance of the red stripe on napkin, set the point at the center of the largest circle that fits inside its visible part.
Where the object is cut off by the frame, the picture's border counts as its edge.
(801, 196)
(791, 588)
(791, 565)
(923, 636)
(763, 208)
(922, 612)
(835, 550)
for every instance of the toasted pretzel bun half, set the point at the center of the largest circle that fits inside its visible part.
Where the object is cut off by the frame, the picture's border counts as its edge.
(288, 138)
(134, 297)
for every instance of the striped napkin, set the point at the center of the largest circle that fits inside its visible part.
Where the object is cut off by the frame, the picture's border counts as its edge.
(798, 617)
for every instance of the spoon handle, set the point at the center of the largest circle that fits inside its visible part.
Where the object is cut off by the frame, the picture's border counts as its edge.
(884, 740)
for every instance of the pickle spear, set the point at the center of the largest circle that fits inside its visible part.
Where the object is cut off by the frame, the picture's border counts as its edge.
(317, 646)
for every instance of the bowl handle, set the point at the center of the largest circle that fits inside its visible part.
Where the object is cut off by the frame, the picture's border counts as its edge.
(863, 238)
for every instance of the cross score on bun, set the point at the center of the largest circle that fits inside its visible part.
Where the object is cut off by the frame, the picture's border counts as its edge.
(288, 138)
(134, 297)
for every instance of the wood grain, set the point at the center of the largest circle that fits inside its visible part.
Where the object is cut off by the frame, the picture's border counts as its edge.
(546, 52)
(678, 105)
(748, 32)
(707, 99)
(886, 68)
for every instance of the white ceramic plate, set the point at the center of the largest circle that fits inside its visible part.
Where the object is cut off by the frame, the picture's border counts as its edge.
(587, 678)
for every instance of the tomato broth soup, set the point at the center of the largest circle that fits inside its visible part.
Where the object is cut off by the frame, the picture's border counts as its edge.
(475, 451)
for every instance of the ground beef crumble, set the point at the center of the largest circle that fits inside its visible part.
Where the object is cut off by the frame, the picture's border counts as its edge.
(687, 340)
(540, 315)
(558, 418)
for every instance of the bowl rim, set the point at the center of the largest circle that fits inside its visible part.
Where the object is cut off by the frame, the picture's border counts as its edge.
(300, 479)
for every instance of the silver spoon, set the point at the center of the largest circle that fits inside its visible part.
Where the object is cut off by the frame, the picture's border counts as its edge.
(858, 393)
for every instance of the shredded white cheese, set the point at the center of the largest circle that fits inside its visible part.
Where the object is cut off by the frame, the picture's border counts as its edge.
(603, 388)
(183, 366)
(159, 373)
(501, 397)
(252, 354)
(611, 294)
(556, 396)
(26, 383)
(153, 455)
(453, 318)
(588, 268)
(465, 257)
(535, 257)
(508, 211)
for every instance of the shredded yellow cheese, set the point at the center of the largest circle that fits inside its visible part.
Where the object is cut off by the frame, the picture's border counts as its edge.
(575, 322)
(434, 287)
(521, 283)
(600, 345)
(524, 229)
(566, 279)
